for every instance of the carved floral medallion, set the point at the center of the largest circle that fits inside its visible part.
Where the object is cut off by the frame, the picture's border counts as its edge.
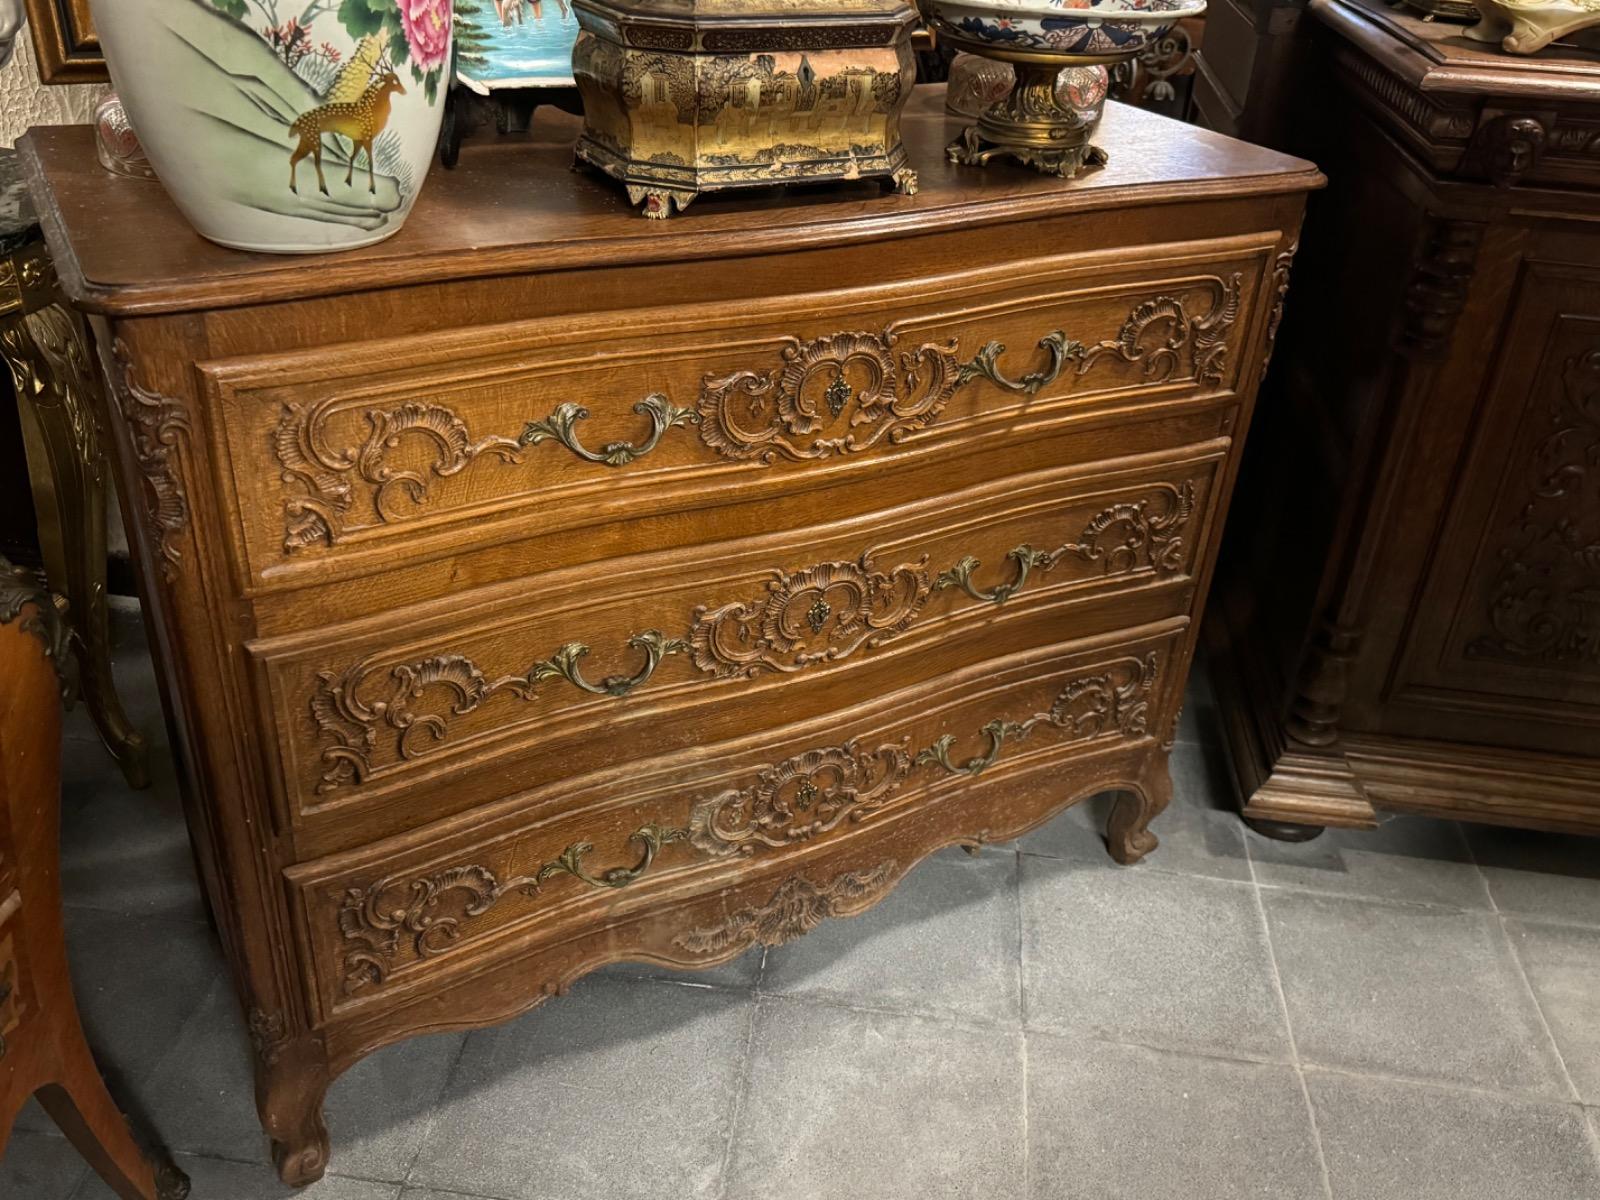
(820, 614)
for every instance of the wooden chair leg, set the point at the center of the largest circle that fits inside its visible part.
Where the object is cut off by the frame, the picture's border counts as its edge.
(57, 391)
(92, 1122)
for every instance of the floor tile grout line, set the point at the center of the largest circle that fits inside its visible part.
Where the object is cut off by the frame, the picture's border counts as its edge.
(1022, 1022)
(961, 1021)
(1441, 1085)
(434, 1110)
(1522, 974)
(1288, 1026)
(741, 1088)
(1533, 996)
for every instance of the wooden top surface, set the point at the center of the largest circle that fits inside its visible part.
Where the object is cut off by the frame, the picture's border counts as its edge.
(512, 206)
(1437, 56)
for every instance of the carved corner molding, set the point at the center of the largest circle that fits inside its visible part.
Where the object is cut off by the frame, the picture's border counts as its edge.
(269, 1035)
(796, 908)
(1441, 276)
(819, 615)
(1543, 604)
(1280, 287)
(417, 917)
(156, 427)
(792, 411)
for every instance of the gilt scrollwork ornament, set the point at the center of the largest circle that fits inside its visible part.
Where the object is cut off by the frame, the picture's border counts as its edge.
(796, 908)
(45, 621)
(347, 713)
(157, 427)
(821, 614)
(799, 799)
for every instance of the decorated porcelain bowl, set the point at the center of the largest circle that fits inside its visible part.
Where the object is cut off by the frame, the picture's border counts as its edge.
(1081, 28)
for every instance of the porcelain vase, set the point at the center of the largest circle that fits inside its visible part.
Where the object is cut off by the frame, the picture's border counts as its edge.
(287, 126)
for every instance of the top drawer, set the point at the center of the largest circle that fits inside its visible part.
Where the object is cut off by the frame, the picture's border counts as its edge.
(329, 460)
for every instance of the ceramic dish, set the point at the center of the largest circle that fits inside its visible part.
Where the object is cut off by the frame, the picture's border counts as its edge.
(1067, 27)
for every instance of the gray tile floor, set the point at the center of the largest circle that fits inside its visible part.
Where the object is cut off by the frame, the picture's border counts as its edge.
(1399, 1015)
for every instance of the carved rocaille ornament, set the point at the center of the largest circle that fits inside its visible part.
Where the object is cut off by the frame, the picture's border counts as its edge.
(684, 97)
(842, 393)
(796, 908)
(405, 918)
(156, 427)
(818, 615)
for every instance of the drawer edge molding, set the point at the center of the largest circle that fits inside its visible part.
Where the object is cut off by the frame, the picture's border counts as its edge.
(900, 396)
(794, 801)
(864, 606)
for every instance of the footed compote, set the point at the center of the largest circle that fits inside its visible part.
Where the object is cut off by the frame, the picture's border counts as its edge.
(1047, 118)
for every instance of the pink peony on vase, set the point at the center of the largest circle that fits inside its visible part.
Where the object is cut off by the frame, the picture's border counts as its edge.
(288, 126)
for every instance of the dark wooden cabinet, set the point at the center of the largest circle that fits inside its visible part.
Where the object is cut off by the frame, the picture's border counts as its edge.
(546, 586)
(1408, 613)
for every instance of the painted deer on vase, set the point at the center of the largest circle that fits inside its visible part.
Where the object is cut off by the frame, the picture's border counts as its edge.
(361, 120)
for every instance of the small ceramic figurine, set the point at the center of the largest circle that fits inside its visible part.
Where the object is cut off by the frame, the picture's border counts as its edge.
(1528, 26)
(282, 125)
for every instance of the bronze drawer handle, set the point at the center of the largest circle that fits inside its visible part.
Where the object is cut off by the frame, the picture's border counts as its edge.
(1026, 558)
(561, 423)
(997, 731)
(564, 663)
(1058, 345)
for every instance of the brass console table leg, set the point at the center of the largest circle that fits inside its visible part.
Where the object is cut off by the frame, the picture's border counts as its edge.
(57, 392)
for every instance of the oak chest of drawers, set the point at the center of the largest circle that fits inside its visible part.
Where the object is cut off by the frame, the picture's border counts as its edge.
(547, 587)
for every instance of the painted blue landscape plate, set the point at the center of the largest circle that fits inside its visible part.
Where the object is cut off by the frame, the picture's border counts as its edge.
(514, 43)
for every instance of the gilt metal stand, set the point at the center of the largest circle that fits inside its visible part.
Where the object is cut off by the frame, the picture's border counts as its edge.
(1032, 124)
(45, 346)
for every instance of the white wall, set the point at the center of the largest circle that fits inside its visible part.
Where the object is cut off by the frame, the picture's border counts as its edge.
(24, 101)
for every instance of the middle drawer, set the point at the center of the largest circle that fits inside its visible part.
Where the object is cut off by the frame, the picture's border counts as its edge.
(382, 724)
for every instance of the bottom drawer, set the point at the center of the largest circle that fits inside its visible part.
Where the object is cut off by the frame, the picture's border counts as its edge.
(420, 911)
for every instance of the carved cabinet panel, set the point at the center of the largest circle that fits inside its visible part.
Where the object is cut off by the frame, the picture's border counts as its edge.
(1518, 568)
